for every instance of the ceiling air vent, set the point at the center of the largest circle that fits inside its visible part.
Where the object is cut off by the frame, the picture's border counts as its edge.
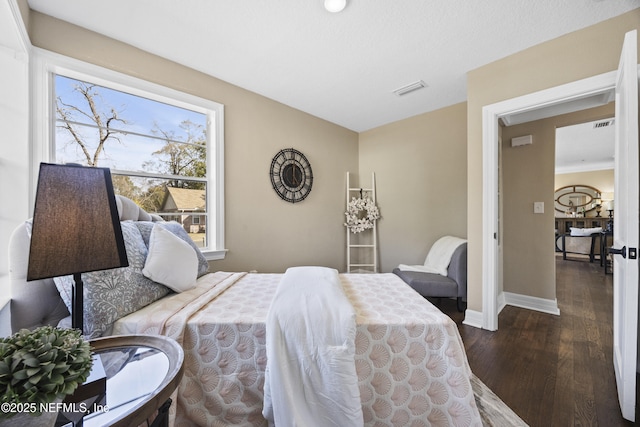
(603, 124)
(410, 88)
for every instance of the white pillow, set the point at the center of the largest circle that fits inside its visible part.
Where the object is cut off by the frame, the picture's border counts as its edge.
(171, 261)
(584, 231)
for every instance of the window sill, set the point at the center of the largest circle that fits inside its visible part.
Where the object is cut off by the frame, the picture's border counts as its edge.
(215, 255)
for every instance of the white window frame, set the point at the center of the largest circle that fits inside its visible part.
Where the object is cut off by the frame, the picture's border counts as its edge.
(45, 64)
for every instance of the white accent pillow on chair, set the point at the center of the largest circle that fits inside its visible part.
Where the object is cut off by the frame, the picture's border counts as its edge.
(171, 261)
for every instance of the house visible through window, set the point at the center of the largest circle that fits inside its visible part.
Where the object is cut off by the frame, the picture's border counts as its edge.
(161, 153)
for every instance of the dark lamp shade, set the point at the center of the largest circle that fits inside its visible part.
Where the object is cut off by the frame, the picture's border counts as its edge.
(76, 227)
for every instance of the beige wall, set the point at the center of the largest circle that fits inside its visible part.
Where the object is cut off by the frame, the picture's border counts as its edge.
(420, 165)
(528, 176)
(266, 234)
(601, 179)
(262, 232)
(528, 238)
(585, 53)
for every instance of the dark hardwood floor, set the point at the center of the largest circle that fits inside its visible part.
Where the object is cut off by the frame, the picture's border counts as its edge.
(553, 370)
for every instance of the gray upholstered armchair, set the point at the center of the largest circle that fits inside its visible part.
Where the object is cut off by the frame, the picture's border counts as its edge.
(453, 285)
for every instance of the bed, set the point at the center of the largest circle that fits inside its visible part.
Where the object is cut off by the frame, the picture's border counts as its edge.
(409, 358)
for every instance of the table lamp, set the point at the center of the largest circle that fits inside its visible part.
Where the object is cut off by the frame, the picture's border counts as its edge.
(76, 228)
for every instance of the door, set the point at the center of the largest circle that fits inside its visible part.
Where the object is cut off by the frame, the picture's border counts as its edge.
(625, 231)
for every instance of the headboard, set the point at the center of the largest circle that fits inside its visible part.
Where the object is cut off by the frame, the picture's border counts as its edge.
(38, 302)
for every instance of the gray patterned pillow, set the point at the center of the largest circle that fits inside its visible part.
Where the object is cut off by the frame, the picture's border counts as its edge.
(112, 294)
(145, 228)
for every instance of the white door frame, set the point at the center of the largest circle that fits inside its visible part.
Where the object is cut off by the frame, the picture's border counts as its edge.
(574, 91)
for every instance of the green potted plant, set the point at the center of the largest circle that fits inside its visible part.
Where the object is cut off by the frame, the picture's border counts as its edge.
(38, 368)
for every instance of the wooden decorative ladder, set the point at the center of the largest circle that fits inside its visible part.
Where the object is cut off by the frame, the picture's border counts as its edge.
(371, 265)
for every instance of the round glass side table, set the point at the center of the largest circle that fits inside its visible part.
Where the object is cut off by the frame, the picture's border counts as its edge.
(142, 371)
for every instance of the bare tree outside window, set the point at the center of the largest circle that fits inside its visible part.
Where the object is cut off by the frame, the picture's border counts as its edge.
(181, 158)
(91, 110)
(157, 152)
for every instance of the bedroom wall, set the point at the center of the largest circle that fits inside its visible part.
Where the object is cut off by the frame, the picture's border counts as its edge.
(585, 53)
(257, 127)
(262, 232)
(528, 174)
(420, 165)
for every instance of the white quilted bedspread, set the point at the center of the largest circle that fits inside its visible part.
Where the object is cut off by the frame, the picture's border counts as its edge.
(409, 358)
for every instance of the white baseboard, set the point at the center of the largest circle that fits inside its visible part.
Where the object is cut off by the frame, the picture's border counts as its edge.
(501, 303)
(473, 318)
(529, 302)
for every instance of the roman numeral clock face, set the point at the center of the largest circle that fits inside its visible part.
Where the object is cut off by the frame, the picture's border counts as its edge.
(291, 175)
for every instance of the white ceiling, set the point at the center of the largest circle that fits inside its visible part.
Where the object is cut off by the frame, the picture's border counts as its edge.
(585, 147)
(341, 67)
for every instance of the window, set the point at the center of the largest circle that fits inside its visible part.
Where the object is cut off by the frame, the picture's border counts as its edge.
(164, 148)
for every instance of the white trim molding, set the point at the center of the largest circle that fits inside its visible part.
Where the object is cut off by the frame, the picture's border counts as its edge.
(475, 318)
(491, 114)
(472, 318)
(5, 306)
(46, 63)
(532, 303)
(19, 43)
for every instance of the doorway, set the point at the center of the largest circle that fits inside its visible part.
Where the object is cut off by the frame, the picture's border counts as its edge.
(570, 97)
(584, 185)
(624, 82)
(625, 332)
(529, 225)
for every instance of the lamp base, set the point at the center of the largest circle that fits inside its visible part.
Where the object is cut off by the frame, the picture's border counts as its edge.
(77, 303)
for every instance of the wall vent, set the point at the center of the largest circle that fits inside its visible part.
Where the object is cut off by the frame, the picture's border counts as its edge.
(410, 88)
(603, 124)
(522, 140)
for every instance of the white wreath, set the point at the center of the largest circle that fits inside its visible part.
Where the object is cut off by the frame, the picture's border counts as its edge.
(361, 214)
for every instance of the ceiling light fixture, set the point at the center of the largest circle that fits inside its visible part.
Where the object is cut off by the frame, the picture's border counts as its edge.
(335, 6)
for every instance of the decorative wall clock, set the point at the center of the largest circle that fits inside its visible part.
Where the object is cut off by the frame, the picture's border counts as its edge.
(291, 175)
